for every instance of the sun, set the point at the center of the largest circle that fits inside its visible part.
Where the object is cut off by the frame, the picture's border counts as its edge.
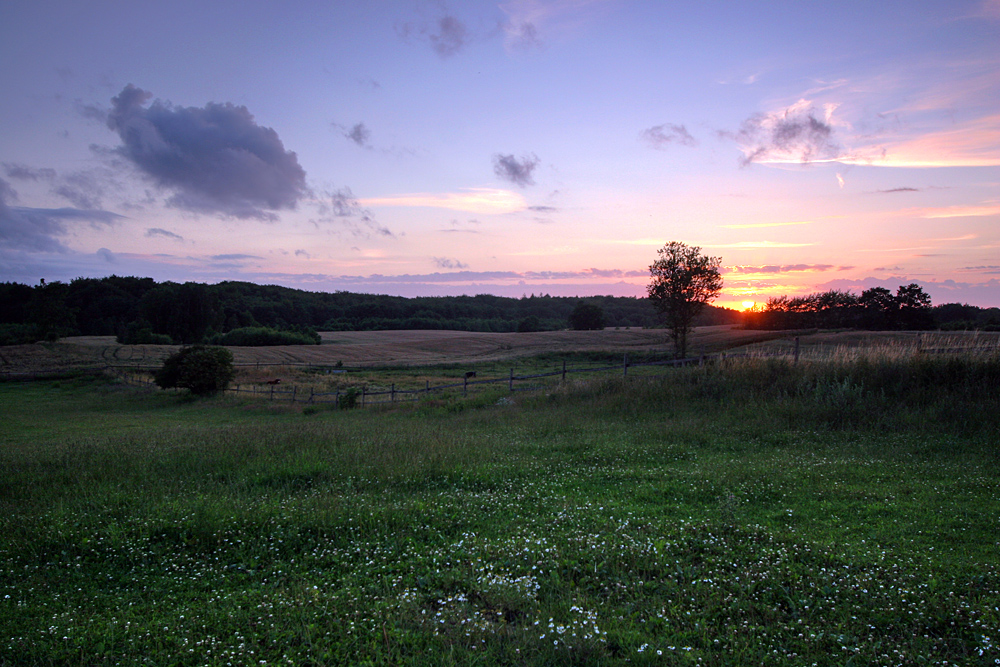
(747, 305)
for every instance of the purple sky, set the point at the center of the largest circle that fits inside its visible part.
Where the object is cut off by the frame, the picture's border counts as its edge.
(509, 148)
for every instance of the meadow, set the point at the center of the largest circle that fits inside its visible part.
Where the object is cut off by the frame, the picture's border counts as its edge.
(835, 512)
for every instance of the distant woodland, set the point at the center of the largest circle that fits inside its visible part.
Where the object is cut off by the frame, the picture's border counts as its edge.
(140, 310)
(875, 309)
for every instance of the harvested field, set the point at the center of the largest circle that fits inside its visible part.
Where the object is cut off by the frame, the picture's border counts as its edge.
(380, 348)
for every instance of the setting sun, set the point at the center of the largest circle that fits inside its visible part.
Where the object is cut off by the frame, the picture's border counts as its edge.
(747, 305)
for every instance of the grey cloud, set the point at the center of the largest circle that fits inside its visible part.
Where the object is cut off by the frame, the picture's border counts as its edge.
(302, 253)
(215, 159)
(23, 172)
(106, 255)
(445, 263)
(156, 231)
(897, 190)
(233, 257)
(661, 136)
(81, 189)
(450, 37)
(345, 209)
(360, 135)
(518, 172)
(92, 112)
(543, 209)
(793, 135)
(38, 229)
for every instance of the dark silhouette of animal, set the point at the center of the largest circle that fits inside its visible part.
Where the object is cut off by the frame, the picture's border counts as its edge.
(470, 374)
(274, 381)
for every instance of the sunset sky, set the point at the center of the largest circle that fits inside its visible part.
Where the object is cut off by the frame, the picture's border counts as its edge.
(523, 147)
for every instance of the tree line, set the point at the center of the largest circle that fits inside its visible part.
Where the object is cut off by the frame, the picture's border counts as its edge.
(140, 310)
(878, 308)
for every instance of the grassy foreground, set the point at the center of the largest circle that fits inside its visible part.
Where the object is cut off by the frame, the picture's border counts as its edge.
(758, 513)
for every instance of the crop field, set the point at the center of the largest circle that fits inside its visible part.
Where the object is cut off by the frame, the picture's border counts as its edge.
(835, 512)
(382, 348)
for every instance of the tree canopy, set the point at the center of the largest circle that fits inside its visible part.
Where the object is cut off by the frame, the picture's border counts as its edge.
(682, 282)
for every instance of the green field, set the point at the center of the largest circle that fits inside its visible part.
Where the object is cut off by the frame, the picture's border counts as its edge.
(844, 512)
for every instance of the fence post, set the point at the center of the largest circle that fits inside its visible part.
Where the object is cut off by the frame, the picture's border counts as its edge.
(427, 386)
(392, 393)
(364, 392)
(919, 343)
(272, 392)
(311, 390)
(337, 400)
(625, 365)
(294, 389)
(796, 349)
(564, 371)
(510, 383)
(465, 386)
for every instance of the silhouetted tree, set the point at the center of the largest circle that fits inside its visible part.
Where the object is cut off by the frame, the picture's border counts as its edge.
(682, 282)
(587, 316)
(201, 369)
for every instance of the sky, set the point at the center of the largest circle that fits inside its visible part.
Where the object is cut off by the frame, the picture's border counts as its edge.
(515, 148)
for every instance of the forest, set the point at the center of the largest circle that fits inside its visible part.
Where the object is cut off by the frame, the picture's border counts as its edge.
(140, 310)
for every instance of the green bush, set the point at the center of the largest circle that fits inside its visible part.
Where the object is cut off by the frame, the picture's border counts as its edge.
(201, 369)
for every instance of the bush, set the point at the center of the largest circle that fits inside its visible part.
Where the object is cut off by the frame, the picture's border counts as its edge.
(18, 334)
(138, 333)
(201, 369)
(263, 336)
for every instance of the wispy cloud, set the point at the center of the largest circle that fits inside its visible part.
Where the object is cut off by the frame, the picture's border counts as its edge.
(39, 229)
(153, 232)
(662, 136)
(962, 211)
(447, 263)
(447, 35)
(785, 268)
(343, 208)
(758, 244)
(483, 201)
(755, 225)
(799, 134)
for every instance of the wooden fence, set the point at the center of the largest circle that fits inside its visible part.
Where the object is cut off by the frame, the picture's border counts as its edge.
(514, 382)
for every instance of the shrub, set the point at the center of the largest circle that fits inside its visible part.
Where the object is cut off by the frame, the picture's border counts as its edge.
(201, 369)
(349, 399)
(137, 333)
(263, 336)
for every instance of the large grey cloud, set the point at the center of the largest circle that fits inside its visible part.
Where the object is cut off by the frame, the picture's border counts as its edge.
(518, 172)
(39, 229)
(215, 159)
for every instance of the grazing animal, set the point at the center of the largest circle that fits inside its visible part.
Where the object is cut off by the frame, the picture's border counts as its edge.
(274, 381)
(470, 374)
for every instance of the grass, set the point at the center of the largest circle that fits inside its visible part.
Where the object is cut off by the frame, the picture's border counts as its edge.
(759, 512)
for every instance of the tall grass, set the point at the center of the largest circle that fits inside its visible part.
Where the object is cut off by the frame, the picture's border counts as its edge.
(756, 512)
